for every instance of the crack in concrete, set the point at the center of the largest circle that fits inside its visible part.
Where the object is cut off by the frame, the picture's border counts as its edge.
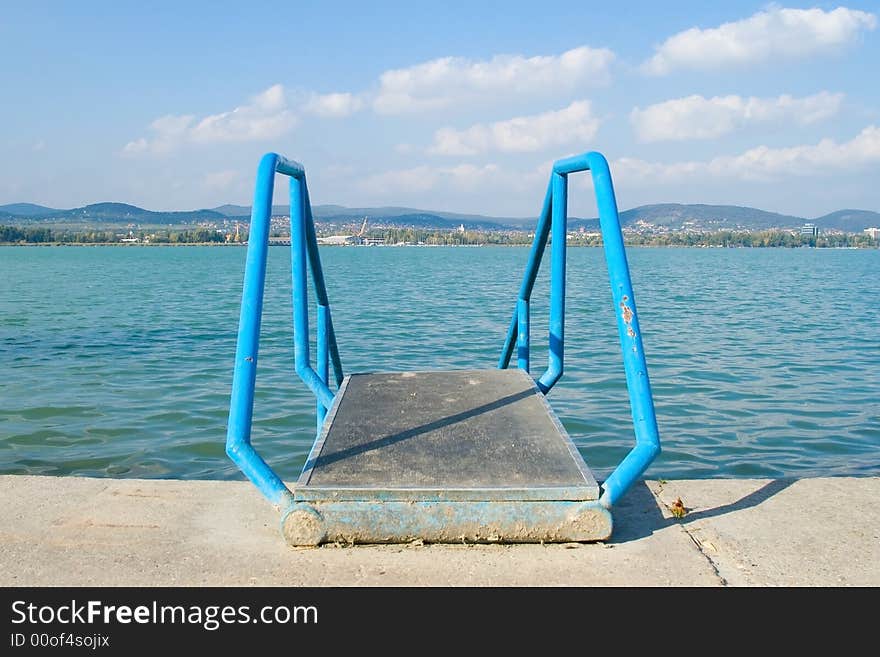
(693, 538)
(711, 561)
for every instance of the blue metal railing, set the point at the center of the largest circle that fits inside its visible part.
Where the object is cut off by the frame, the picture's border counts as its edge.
(304, 251)
(552, 223)
(304, 255)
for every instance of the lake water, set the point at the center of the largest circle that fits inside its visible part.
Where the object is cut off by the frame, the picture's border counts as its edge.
(118, 360)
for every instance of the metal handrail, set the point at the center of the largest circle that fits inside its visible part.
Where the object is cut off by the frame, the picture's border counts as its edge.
(304, 251)
(304, 254)
(552, 223)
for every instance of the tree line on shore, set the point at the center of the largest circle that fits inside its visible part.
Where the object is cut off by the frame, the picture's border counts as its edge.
(721, 238)
(42, 235)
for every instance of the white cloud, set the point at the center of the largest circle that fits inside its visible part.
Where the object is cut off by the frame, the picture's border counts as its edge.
(775, 32)
(629, 169)
(470, 177)
(574, 123)
(423, 178)
(487, 188)
(168, 131)
(136, 147)
(220, 180)
(441, 82)
(763, 163)
(416, 179)
(266, 116)
(334, 105)
(807, 160)
(696, 117)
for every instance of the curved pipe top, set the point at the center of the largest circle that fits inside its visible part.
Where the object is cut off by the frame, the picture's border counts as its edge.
(288, 167)
(591, 160)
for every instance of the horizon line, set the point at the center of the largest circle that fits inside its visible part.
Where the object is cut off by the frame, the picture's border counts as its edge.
(421, 210)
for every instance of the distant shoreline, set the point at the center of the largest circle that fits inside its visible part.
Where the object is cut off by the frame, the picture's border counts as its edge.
(39, 244)
(861, 247)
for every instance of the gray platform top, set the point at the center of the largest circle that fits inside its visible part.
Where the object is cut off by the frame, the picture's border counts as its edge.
(466, 430)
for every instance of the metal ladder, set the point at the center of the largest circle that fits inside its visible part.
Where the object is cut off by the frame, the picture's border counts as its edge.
(305, 257)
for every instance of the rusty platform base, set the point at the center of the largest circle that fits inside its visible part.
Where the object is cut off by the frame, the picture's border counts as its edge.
(445, 457)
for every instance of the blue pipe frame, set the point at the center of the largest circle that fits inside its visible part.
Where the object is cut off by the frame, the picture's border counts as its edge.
(304, 254)
(552, 223)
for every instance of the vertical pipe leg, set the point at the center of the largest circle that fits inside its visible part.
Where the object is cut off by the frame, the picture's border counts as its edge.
(542, 231)
(323, 357)
(637, 382)
(522, 337)
(557, 282)
(241, 406)
(320, 286)
(298, 273)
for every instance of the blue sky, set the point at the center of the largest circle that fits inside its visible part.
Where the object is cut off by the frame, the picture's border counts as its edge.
(446, 106)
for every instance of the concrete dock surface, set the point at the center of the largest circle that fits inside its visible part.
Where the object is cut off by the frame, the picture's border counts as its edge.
(73, 531)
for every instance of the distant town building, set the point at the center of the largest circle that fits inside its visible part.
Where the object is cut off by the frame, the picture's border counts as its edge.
(873, 233)
(810, 229)
(339, 240)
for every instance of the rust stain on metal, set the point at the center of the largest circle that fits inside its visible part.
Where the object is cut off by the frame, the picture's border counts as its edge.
(627, 313)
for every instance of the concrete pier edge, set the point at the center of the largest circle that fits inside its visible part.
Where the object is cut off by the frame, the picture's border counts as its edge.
(77, 531)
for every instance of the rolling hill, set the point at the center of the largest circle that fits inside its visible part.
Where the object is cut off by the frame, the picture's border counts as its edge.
(850, 221)
(415, 219)
(106, 213)
(27, 210)
(337, 213)
(668, 216)
(676, 216)
(673, 216)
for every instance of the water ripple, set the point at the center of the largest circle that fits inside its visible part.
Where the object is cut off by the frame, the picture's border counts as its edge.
(119, 361)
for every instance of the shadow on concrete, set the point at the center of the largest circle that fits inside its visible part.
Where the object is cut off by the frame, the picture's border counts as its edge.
(638, 515)
(754, 498)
